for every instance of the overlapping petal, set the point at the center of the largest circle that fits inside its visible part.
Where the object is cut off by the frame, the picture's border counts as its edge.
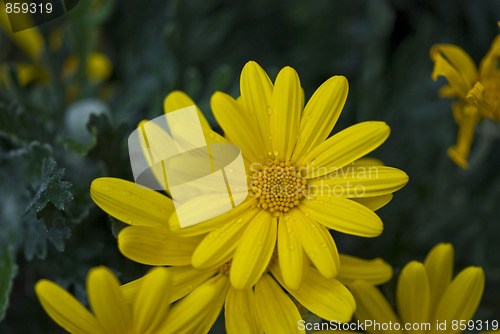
(218, 245)
(344, 215)
(254, 251)
(237, 126)
(128, 202)
(241, 312)
(103, 290)
(360, 181)
(191, 313)
(439, 267)
(375, 271)
(286, 107)
(372, 305)
(326, 297)
(317, 243)
(66, 311)
(290, 253)
(277, 313)
(152, 301)
(413, 295)
(462, 297)
(344, 148)
(156, 247)
(320, 114)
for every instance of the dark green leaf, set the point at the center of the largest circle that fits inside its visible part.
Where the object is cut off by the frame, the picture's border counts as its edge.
(52, 189)
(8, 270)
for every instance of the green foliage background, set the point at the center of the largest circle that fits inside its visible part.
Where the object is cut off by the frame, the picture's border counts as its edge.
(50, 228)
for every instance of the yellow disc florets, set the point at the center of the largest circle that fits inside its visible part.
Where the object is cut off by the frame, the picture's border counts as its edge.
(226, 267)
(278, 186)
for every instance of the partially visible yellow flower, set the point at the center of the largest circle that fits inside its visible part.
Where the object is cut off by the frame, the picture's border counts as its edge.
(112, 313)
(478, 91)
(426, 293)
(266, 307)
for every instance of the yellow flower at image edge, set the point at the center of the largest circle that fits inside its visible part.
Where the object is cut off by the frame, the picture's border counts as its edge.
(266, 307)
(426, 293)
(478, 91)
(146, 313)
(276, 134)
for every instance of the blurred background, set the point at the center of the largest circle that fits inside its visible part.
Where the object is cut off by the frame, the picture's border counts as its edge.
(70, 97)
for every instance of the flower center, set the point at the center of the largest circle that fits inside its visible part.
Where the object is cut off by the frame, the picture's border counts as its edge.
(278, 186)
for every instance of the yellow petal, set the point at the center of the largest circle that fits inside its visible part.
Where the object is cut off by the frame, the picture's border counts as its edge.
(277, 313)
(290, 254)
(413, 294)
(343, 215)
(156, 247)
(238, 126)
(192, 312)
(344, 147)
(462, 297)
(256, 90)
(178, 100)
(374, 203)
(254, 251)
(460, 151)
(484, 98)
(372, 305)
(375, 271)
(185, 279)
(489, 64)
(107, 301)
(439, 266)
(457, 58)
(325, 297)
(65, 310)
(241, 312)
(285, 113)
(447, 92)
(320, 114)
(128, 202)
(218, 245)
(152, 302)
(359, 181)
(456, 78)
(210, 224)
(317, 243)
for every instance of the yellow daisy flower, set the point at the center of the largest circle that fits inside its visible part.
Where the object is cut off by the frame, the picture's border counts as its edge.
(330, 187)
(478, 91)
(265, 307)
(426, 295)
(145, 313)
